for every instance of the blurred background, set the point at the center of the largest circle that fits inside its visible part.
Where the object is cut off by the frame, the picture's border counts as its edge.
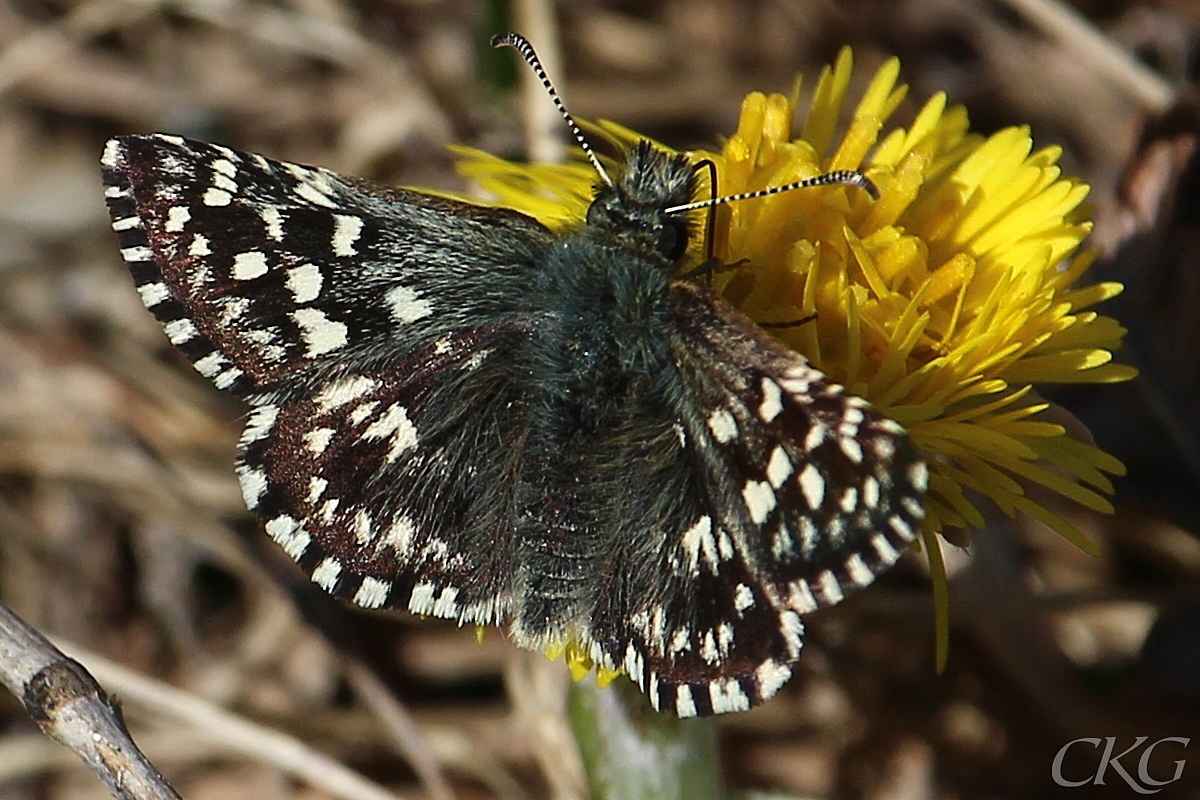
(122, 530)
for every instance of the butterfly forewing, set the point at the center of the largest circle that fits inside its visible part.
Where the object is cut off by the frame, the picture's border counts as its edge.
(261, 270)
(782, 495)
(821, 492)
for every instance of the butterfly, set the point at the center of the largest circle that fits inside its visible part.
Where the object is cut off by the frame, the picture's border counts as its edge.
(457, 412)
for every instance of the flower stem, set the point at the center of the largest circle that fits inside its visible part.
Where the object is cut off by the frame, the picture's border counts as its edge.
(631, 752)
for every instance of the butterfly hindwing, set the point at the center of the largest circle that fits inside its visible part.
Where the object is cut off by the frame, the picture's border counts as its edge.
(388, 489)
(821, 492)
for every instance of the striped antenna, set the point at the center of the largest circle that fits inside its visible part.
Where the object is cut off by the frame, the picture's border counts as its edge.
(844, 176)
(519, 43)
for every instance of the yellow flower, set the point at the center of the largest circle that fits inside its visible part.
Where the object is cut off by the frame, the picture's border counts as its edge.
(941, 303)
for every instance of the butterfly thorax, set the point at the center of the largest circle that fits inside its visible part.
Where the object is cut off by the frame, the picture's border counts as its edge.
(604, 292)
(604, 373)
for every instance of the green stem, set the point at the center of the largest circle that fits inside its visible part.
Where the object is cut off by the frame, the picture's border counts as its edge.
(631, 752)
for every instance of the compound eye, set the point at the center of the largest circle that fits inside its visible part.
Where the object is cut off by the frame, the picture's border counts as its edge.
(672, 239)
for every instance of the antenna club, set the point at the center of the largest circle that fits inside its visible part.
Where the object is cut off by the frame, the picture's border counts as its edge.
(846, 177)
(519, 43)
(852, 177)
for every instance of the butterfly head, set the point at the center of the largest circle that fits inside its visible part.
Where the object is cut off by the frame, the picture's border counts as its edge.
(635, 207)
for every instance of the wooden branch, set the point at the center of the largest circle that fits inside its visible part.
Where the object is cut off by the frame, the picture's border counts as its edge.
(71, 708)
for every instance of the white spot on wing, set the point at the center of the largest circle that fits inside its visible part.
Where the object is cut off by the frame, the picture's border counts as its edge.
(254, 485)
(363, 529)
(290, 534)
(227, 378)
(326, 574)
(318, 439)
(446, 606)
(779, 467)
(726, 695)
(634, 664)
(329, 509)
(772, 404)
(743, 597)
(407, 305)
(816, 435)
(725, 637)
(273, 221)
(913, 506)
(320, 333)
(830, 587)
(421, 601)
(885, 448)
(311, 194)
(870, 493)
(808, 535)
(698, 540)
(210, 366)
(800, 598)
(399, 535)
(180, 331)
(199, 246)
(232, 308)
(781, 543)
(217, 197)
(346, 231)
(112, 151)
(304, 282)
(249, 265)
(394, 423)
(887, 553)
(177, 217)
(918, 475)
(792, 627)
(760, 500)
(373, 593)
(340, 392)
(858, 571)
(135, 254)
(358, 415)
(685, 705)
(851, 448)
(902, 528)
(771, 677)
(812, 484)
(153, 293)
(722, 425)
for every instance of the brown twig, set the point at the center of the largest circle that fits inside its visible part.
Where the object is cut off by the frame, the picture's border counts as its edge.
(71, 708)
